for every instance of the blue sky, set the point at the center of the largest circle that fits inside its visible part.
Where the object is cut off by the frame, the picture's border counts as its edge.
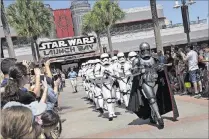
(200, 8)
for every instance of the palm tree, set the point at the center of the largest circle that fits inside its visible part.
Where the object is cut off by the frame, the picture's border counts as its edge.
(7, 32)
(158, 40)
(109, 12)
(93, 23)
(30, 19)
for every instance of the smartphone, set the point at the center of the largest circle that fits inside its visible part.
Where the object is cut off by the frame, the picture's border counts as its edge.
(41, 78)
(32, 72)
(55, 77)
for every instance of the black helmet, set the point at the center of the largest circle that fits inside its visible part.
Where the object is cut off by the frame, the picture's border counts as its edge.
(145, 49)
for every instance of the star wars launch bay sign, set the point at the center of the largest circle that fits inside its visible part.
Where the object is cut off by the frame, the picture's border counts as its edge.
(67, 46)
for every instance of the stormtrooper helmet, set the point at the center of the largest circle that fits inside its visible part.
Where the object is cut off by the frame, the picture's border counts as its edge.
(132, 55)
(91, 63)
(121, 57)
(145, 50)
(114, 59)
(105, 59)
(88, 64)
(83, 65)
(94, 62)
(97, 61)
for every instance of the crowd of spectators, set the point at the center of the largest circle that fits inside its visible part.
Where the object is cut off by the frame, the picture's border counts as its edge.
(188, 69)
(29, 98)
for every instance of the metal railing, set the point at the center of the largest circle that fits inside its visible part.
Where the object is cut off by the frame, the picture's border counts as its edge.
(146, 27)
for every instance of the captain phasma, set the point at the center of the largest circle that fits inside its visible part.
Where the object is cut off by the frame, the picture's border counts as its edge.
(151, 95)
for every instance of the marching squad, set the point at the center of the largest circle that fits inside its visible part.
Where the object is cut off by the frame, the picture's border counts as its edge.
(139, 82)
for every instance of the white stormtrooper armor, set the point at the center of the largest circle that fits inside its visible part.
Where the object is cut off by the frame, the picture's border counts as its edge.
(88, 81)
(98, 86)
(123, 73)
(81, 70)
(107, 82)
(92, 80)
(89, 76)
(82, 73)
(116, 89)
(85, 68)
(131, 57)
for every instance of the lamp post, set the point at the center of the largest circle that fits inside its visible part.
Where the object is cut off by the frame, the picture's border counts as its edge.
(185, 15)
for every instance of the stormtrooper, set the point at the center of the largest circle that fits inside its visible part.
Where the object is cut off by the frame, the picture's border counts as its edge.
(131, 57)
(88, 81)
(107, 82)
(116, 89)
(84, 75)
(123, 73)
(150, 95)
(98, 86)
(92, 81)
(89, 75)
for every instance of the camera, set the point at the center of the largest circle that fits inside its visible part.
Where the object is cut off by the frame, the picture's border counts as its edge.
(32, 72)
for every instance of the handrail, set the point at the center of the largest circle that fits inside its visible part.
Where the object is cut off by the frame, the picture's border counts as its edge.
(147, 34)
(150, 27)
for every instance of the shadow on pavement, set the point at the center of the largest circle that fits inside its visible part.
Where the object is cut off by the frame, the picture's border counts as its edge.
(92, 107)
(66, 107)
(85, 98)
(139, 122)
(169, 118)
(106, 115)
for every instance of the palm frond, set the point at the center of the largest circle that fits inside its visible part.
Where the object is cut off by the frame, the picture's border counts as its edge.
(29, 18)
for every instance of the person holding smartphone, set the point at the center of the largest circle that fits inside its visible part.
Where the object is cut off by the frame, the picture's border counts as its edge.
(194, 72)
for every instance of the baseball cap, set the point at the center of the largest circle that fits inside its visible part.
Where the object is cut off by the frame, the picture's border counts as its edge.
(36, 107)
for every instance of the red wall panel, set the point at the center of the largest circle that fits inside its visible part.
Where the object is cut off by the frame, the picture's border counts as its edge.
(63, 22)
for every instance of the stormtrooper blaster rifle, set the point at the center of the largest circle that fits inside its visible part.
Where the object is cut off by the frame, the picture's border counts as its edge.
(141, 70)
(109, 74)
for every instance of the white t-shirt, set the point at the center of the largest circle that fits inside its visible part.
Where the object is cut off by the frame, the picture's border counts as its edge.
(192, 58)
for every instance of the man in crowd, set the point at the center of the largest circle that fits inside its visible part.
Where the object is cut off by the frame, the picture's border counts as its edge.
(161, 57)
(206, 55)
(194, 72)
(72, 75)
(5, 65)
(169, 64)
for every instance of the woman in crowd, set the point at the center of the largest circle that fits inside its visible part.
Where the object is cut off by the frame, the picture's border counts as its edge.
(17, 122)
(51, 124)
(18, 78)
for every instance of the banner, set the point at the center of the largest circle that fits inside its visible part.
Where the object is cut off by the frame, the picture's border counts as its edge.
(63, 23)
(68, 46)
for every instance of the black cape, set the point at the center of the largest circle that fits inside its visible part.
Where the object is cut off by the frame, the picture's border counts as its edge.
(164, 97)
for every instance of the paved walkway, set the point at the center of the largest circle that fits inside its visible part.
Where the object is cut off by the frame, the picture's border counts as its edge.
(83, 122)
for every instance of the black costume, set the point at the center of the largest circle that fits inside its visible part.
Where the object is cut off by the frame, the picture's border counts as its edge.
(148, 75)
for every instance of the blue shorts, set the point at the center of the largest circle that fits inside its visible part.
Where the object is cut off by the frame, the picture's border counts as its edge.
(194, 75)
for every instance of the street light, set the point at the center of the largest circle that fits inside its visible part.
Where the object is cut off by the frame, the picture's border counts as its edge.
(185, 15)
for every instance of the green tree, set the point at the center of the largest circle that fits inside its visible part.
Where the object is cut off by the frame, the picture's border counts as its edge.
(6, 33)
(109, 12)
(93, 23)
(30, 19)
